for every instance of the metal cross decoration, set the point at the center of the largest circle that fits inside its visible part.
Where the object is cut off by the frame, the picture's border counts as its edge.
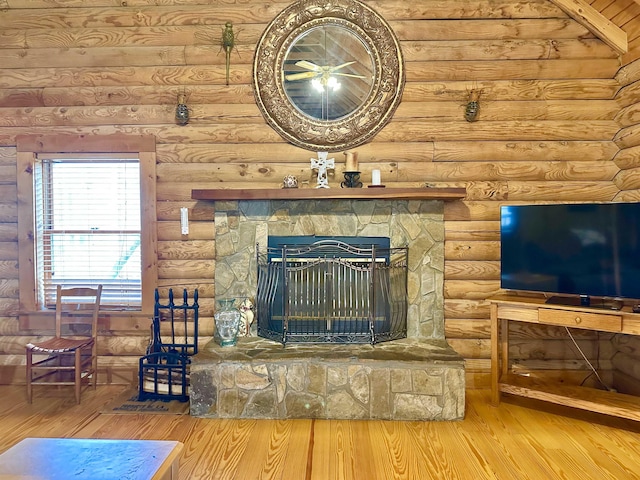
(322, 164)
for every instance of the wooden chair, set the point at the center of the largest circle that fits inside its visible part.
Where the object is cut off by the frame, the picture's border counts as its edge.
(71, 354)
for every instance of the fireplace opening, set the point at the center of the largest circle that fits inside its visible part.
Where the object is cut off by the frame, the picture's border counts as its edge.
(331, 290)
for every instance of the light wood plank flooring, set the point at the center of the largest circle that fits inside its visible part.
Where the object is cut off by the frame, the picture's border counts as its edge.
(518, 440)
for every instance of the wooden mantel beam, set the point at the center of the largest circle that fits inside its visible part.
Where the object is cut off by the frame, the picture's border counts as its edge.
(596, 23)
(220, 194)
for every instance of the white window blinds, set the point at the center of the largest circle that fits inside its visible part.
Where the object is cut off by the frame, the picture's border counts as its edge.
(87, 224)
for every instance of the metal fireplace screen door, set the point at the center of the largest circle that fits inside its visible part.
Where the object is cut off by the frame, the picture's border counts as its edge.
(330, 291)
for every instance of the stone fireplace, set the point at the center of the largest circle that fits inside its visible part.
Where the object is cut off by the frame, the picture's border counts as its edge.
(417, 225)
(417, 378)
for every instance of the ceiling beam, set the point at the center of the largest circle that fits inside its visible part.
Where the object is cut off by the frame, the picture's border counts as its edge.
(596, 23)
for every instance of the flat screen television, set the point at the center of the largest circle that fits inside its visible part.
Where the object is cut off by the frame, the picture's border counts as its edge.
(573, 251)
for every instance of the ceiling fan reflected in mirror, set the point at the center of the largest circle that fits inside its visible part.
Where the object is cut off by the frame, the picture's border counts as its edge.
(325, 73)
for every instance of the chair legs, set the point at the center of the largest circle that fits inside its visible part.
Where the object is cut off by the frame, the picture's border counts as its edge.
(73, 369)
(78, 373)
(94, 373)
(29, 387)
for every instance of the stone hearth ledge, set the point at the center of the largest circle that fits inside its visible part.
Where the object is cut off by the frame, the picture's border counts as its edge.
(401, 380)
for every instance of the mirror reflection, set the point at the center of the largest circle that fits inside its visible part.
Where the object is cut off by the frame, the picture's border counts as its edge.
(328, 75)
(328, 72)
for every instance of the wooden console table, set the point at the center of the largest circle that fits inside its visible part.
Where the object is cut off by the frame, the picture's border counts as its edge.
(77, 458)
(511, 308)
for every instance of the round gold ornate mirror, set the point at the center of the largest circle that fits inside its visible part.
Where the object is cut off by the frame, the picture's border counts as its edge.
(328, 76)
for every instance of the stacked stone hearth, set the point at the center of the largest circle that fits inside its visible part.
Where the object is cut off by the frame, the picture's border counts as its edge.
(419, 378)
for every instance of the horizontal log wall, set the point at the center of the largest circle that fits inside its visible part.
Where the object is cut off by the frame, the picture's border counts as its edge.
(548, 118)
(626, 375)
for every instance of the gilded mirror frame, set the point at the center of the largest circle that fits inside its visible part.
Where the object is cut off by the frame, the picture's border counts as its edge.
(375, 111)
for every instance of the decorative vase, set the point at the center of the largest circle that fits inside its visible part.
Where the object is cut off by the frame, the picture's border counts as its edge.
(227, 319)
(289, 181)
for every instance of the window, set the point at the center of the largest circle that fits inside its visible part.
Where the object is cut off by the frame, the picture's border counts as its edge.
(87, 228)
(86, 216)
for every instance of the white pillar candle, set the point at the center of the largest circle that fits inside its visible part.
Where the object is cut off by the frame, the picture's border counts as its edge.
(375, 177)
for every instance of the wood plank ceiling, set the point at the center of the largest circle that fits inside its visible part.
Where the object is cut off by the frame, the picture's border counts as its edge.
(610, 20)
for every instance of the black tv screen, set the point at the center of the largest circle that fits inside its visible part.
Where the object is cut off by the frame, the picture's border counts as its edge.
(572, 249)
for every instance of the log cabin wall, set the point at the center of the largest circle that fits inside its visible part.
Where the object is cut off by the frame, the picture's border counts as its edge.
(626, 348)
(546, 132)
(628, 138)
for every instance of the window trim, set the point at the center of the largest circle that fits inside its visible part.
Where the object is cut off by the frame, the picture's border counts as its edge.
(29, 146)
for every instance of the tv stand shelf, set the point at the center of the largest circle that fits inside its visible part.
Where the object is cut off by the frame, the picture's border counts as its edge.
(515, 308)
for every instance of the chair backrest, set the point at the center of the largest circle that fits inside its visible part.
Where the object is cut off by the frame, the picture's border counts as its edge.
(77, 311)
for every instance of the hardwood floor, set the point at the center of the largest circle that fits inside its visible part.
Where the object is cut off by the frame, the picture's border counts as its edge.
(518, 440)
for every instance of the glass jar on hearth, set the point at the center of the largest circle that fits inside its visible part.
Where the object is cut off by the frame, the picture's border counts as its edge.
(227, 319)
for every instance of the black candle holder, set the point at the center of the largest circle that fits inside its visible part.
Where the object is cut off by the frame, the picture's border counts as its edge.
(351, 180)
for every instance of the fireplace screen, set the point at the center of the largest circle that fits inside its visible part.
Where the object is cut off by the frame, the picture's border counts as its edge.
(337, 290)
